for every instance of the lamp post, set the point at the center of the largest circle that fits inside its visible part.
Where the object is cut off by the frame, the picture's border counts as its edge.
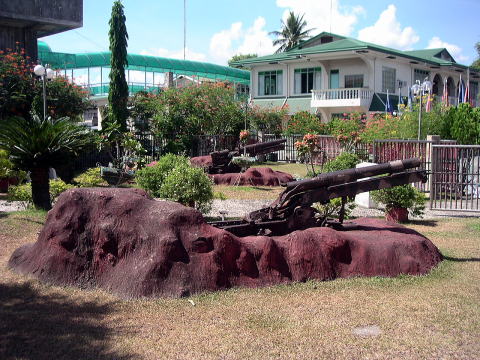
(419, 90)
(45, 74)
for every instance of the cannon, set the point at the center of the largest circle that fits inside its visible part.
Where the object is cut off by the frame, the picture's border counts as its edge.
(221, 160)
(293, 210)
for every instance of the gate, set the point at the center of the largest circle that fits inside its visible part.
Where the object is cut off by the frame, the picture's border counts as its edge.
(455, 177)
(395, 149)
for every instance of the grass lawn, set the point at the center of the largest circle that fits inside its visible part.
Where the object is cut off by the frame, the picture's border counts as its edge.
(426, 317)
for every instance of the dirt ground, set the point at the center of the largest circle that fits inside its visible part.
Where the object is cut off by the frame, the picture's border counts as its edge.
(426, 317)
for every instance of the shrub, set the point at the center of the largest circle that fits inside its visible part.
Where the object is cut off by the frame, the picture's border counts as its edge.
(404, 196)
(57, 187)
(343, 161)
(24, 192)
(189, 186)
(381, 126)
(347, 130)
(20, 193)
(181, 114)
(17, 84)
(151, 177)
(462, 123)
(7, 169)
(269, 120)
(305, 122)
(89, 178)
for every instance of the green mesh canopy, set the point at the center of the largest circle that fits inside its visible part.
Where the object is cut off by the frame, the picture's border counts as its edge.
(143, 63)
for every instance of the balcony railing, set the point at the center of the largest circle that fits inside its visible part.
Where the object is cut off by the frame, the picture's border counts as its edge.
(341, 97)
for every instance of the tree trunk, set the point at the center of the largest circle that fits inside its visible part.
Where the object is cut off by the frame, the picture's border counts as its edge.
(41, 188)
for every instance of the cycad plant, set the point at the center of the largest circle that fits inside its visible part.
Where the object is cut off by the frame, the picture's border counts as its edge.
(292, 32)
(36, 144)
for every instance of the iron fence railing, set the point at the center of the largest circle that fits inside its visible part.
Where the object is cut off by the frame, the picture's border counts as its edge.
(396, 149)
(455, 177)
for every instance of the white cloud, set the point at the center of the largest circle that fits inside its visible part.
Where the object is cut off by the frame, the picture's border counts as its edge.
(221, 42)
(388, 31)
(453, 49)
(317, 14)
(236, 40)
(175, 54)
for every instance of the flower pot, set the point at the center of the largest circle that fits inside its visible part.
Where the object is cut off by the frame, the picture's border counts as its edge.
(6, 182)
(397, 215)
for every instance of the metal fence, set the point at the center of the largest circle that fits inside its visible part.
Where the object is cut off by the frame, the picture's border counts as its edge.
(395, 149)
(330, 147)
(455, 177)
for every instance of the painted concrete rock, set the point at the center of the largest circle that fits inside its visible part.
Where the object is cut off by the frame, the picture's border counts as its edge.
(125, 242)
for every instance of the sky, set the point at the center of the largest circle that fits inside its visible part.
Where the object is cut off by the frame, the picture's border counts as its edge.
(219, 29)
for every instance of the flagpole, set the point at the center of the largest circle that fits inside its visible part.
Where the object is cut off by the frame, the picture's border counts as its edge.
(420, 115)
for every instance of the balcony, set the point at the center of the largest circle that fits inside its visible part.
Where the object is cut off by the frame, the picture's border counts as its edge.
(351, 97)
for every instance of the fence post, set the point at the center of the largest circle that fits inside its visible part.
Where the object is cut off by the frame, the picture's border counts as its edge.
(433, 157)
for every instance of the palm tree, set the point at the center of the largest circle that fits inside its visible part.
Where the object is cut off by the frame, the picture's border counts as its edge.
(476, 63)
(35, 145)
(291, 33)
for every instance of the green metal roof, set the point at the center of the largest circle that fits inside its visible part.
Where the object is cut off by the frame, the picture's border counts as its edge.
(143, 63)
(43, 47)
(350, 44)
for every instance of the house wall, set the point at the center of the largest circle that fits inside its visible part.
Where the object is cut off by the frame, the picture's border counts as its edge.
(345, 67)
(371, 65)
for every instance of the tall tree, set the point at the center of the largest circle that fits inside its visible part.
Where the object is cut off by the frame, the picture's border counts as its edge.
(476, 63)
(118, 91)
(36, 144)
(291, 33)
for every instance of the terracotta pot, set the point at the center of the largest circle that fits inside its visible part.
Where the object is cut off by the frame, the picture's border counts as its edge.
(397, 215)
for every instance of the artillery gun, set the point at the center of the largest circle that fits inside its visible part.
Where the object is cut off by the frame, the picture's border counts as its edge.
(221, 160)
(293, 210)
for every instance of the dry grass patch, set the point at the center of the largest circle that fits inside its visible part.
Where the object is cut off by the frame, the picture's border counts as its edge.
(249, 192)
(294, 169)
(432, 316)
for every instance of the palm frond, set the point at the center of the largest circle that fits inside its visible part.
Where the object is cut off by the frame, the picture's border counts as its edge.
(34, 142)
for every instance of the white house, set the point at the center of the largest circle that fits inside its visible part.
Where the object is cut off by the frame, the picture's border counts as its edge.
(330, 74)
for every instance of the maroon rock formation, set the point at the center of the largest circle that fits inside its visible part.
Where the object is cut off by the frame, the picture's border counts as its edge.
(257, 176)
(125, 242)
(201, 161)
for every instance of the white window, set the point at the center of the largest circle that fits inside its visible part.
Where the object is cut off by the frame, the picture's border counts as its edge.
(270, 82)
(307, 80)
(388, 79)
(354, 81)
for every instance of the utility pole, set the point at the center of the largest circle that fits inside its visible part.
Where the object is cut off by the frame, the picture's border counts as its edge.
(184, 27)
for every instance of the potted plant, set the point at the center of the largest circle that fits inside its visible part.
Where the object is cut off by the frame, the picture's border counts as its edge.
(125, 152)
(399, 201)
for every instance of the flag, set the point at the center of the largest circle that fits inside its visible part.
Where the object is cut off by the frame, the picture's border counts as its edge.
(445, 93)
(410, 99)
(428, 106)
(461, 91)
(399, 101)
(466, 96)
(388, 105)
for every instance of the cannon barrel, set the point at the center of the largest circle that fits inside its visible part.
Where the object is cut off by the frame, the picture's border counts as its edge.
(264, 147)
(350, 175)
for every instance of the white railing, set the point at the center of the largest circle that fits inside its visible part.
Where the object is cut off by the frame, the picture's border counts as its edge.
(342, 94)
(351, 98)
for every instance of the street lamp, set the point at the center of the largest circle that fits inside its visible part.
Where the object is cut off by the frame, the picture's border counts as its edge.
(419, 90)
(45, 74)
